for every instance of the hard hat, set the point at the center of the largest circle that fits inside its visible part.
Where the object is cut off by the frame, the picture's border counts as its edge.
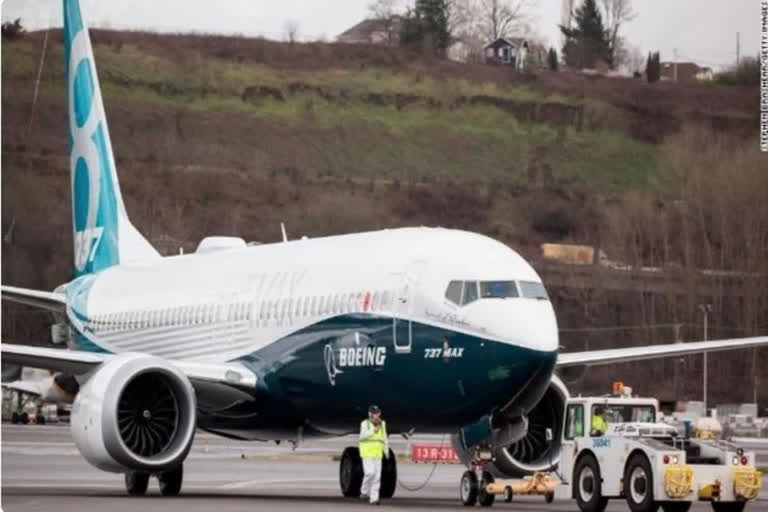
(374, 409)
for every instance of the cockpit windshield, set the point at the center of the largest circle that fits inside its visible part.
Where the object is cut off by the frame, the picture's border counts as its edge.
(498, 289)
(533, 290)
(462, 293)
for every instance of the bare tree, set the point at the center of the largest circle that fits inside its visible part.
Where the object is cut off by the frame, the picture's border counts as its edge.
(635, 60)
(617, 13)
(291, 31)
(501, 18)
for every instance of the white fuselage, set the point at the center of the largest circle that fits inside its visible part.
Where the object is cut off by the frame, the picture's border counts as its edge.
(224, 304)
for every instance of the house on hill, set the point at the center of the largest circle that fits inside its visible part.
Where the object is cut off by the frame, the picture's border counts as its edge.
(373, 31)
(507, 52)
(685, 72)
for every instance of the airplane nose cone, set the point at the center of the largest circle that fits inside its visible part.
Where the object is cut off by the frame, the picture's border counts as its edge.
(526, 323)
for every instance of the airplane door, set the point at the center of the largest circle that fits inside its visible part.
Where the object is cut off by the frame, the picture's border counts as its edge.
(404, 308)
(402, 328)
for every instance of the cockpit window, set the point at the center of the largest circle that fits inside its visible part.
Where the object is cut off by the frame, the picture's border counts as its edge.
(453, 292)
(470, 292)
(462, 293)
(498, 289)
(532, 290)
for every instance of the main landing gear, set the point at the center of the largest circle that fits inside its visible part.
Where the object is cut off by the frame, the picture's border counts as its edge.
(351, 474)
(136, 483)
(474, 481)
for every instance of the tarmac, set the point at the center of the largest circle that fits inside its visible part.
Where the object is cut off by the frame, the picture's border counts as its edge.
(42, 470)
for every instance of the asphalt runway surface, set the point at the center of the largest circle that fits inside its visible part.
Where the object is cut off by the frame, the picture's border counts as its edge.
(42, 470)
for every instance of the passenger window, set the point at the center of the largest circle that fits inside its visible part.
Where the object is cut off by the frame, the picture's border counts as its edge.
(574, 422)
(470, 292)
(453, 292)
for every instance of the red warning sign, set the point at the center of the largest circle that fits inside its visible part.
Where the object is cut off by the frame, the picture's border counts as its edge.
(433, 453)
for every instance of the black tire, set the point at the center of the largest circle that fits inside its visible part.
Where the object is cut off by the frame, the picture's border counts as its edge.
(388, 476)
(588, 485)
(638, 484)
(136, 483)
(676, 506)
(40, 420)
(728, 506)
(483, 497)
(351, 472)
(508, 494)
(468, 488)
(15, 418)
(549, 497)
(170, 481)
(24, 418)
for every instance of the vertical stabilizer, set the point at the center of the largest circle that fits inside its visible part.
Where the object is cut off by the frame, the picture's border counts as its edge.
(103, 234)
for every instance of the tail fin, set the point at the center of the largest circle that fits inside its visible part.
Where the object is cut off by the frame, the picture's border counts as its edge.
(103, 235)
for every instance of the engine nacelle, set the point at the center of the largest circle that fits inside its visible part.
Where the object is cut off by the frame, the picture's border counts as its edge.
(532, 452)
(136, 413)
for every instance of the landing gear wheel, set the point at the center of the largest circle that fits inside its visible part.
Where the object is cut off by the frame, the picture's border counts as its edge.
(24, 418)
(730, 506)
(351, 472)
(40, 419)
(638, 484)
(483, 497)
(508, 494)
(549, 497)
(170, 481)
(136, 483)
(468, 488)
(676, 506)
(15, 418)
(388, 476)
(588, 490)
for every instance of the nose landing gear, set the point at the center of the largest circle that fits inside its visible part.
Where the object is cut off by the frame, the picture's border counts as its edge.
(475, 481)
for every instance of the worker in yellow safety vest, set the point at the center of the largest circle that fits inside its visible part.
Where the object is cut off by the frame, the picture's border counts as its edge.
(599, 425)
(373, 447)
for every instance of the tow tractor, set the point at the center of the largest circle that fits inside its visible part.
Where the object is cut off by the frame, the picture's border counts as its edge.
(646, 463)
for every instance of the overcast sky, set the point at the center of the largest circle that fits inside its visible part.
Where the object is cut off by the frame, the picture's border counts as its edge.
(703, 31)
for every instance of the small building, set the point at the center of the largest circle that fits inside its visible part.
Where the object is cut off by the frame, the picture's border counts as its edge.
(384, 31)
(705, 75)
(507, 52)
(684, 72)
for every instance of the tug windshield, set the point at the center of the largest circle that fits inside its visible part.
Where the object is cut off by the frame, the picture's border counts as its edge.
(624, 413)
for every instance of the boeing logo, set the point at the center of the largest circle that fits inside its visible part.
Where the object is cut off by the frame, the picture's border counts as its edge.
(347, 357)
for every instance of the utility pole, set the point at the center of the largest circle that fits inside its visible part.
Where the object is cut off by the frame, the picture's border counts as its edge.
(738, 48)
(706, 309)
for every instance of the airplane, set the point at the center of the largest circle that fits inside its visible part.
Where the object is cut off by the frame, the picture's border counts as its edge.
(30, 385)
(447, 331)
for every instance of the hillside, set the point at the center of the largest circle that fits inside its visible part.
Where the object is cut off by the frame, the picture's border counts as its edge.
(218, 135)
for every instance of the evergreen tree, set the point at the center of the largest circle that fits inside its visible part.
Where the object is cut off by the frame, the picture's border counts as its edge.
(426, 27)
(552, 59)
(587, 41)
(653, 67)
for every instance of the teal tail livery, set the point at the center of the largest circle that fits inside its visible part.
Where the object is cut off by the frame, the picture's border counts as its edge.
(103, 234)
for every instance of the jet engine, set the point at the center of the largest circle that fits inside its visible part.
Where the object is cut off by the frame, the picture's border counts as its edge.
(135, 413)
(521, 445)
(532, 452)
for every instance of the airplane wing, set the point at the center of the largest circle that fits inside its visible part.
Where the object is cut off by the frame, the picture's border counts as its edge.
(51, 301)
(74, 362)
(623, 355)
(23, 386)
